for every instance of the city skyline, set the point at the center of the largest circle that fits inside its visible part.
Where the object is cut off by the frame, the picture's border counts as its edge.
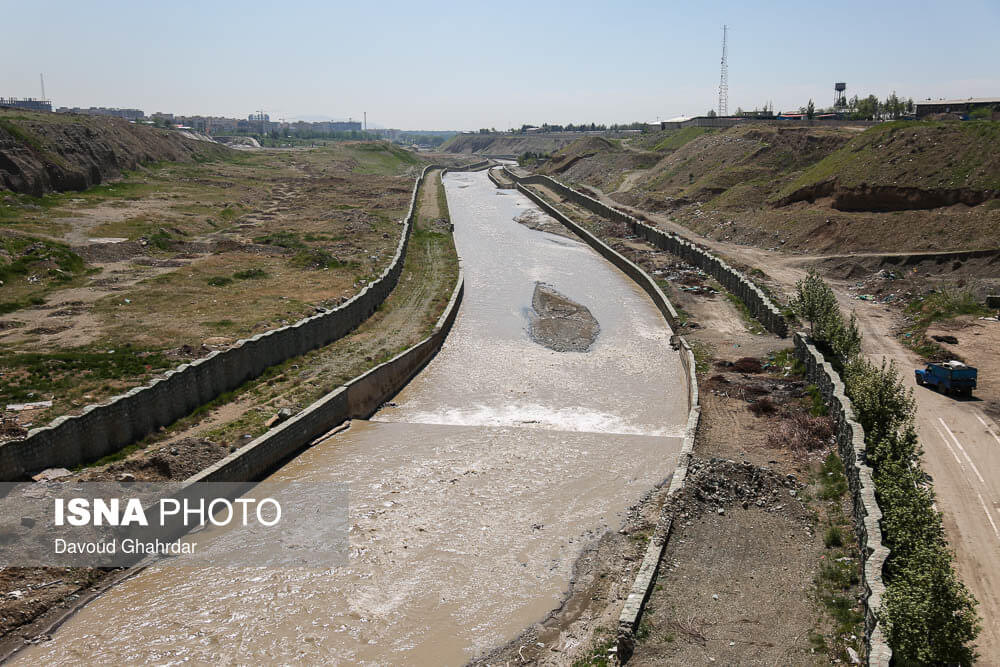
(477, 67)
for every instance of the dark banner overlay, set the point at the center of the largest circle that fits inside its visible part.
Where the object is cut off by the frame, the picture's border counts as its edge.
(107, 524)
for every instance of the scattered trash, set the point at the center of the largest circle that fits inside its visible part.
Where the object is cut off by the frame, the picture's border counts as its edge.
(37, 405)
(50, 474)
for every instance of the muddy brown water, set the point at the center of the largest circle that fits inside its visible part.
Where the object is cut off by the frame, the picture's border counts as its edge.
(471, 494)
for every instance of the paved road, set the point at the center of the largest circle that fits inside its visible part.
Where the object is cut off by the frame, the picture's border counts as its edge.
(961, 442)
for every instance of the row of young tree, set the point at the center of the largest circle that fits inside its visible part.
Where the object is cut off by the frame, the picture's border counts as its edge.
(866, 108)
(928, 614)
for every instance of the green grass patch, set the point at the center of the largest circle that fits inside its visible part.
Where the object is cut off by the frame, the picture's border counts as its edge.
(913, 153)
(380, 157)
(281, 239)
(679, 138)
(817, 404)
(219, 281)
(832, 481)
(318, 258)
(28, 253)
(251, 274)
(943, 305)
(28, 375)
(752, 325)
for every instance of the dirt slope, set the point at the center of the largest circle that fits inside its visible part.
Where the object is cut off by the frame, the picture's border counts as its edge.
(907, 165)
(507, 144)
(895, 187)
(43, 152)
(961, 438)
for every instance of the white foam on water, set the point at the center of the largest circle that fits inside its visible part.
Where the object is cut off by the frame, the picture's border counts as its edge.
(536, 415)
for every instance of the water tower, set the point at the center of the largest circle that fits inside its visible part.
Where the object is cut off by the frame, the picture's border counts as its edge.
(839, 95)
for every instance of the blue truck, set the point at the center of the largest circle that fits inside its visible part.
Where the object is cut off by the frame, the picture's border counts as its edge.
(951, 377)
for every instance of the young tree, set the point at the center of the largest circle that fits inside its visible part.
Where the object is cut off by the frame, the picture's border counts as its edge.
(810, 110)
(814, 302)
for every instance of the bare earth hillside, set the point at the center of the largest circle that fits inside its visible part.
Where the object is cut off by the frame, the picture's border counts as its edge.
(44, 152)
(895, 187)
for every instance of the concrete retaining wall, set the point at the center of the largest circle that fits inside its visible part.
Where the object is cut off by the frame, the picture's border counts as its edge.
(357, 399)
(760, 305)
(503, 185)
(627, 267)
(850, 436)
(642, 587)
(628, 620)
(105, 428)
(867, 514)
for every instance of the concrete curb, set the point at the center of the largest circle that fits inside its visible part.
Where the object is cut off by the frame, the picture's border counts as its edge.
(105, 428)
(867, 514)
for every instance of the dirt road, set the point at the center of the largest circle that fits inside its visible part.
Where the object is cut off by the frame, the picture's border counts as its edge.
(961, 441)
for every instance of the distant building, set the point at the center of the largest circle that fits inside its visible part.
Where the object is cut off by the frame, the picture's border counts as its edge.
(127, 114)
(29, 103)
(928, 107)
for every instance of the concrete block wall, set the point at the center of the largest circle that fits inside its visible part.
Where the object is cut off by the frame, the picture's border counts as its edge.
(628, 268)
(105, 428)
(867, 514)
(357, 399)
(761, 307)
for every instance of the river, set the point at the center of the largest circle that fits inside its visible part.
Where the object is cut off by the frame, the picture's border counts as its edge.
(471, 494)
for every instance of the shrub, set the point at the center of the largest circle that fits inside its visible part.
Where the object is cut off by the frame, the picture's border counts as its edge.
(763, 406)
(928, 613)
(250, 274)
(219, 281)
(316, 258)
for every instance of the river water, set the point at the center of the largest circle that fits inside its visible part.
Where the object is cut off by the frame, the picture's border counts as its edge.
(471, 495)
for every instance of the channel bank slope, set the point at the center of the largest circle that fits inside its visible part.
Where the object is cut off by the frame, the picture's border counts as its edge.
(471, 495)
(961, 438)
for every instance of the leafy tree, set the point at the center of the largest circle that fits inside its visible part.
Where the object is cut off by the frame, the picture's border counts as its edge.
(810, 110)
(814, 301)
(711, 113)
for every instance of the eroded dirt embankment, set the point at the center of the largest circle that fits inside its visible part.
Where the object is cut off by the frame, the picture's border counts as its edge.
(42, 153)
(882, 198)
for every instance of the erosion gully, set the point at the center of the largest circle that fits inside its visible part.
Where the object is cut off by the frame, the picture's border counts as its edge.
(471, 494)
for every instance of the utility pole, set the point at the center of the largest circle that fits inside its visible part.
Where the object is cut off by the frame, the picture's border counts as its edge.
(724, 78)
(366, 121)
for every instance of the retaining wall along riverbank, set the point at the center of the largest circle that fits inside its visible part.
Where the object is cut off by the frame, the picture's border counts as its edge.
(105, 428)
(850, 435)
(642, 586)
(867, 514)
(761, 307)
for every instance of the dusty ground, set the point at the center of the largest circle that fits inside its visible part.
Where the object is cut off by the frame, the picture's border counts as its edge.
(197, 441)
(176, 260)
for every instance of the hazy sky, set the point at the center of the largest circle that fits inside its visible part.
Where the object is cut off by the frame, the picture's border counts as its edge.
(465, 65)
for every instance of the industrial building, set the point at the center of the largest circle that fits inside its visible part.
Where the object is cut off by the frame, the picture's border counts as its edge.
(29, 103)
(928, 107)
